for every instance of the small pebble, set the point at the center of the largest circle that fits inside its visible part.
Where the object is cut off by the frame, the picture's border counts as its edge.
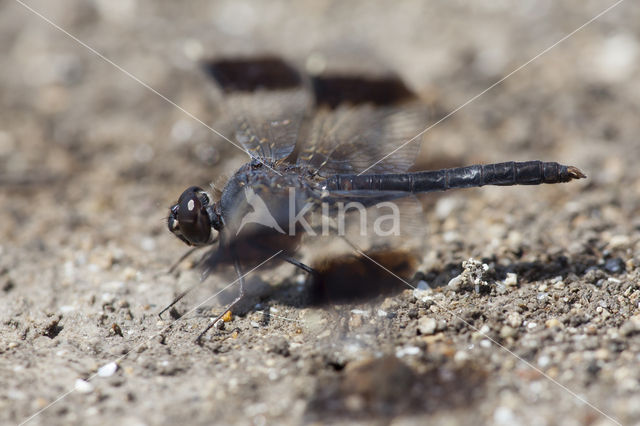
(65, 309)
(422, 293)
(514, 319)
(129, 273)
(511, 280)
(506, 332)
(147, 244)
(614, 266)
(83, 386)
(504, 416)
(108, 370)
(461, 356)
(227, 316)
(619, 241)
(553, 323)
(409, 350)
(423, 285)
(544, 361)
(445, 206)
(455, 283)
(427, 325)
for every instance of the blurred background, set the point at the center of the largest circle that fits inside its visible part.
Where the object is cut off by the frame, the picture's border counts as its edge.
(90, 159)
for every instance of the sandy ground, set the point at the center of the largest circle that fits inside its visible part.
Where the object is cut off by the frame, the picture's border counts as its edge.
(90, 160)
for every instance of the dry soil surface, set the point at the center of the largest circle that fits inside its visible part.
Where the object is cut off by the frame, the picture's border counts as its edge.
(91, 159)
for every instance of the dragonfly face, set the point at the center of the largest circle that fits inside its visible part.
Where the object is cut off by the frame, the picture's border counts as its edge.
(193, 218)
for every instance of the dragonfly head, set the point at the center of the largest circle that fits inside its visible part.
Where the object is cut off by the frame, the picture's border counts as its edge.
(194, 217)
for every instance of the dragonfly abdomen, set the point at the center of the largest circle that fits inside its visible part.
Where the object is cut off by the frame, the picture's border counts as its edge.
(504, 174)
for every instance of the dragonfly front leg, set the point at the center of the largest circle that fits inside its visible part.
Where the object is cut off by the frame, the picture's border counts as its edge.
(295, 262)
(236, 264)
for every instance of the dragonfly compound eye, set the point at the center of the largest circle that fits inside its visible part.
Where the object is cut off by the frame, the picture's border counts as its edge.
(189, 219)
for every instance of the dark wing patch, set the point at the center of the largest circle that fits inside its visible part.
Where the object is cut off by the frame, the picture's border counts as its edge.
(267, 102)
(248, 75)
(334, 90)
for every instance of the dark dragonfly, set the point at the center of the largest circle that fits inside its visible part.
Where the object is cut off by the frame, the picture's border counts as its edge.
(316, 163)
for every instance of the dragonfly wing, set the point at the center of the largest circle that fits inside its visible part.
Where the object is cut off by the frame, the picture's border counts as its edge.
(352, 139)
(268, 123)
(266, 99)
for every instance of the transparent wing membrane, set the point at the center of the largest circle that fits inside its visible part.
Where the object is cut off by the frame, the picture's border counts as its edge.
(268, 123)
(351, 138)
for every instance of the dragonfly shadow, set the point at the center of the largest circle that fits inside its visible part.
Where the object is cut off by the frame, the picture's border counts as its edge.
(351, 279)
(355, 279)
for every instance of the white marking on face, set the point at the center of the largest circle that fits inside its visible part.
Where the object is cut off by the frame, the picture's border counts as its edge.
(190, 205)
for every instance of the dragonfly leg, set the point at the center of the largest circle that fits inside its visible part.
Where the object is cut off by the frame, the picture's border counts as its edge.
(176, 300)
(295, 262)
(188, 254)
(183, 257)
(236, 264)
(203, 277)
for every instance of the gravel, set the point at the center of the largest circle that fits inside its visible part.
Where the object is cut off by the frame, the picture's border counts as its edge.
(542, 326)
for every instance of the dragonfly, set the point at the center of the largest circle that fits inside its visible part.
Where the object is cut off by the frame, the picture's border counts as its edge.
(315, 145)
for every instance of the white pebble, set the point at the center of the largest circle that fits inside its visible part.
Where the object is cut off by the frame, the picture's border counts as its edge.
(65, 309)
(617, 58)
(427, 326)
(148, 244)
(107, 298)
(108, 370)
(514, 319)
(181, 131)
(445, 206)
(423, 285)
(511, 280)
(544, 361)
(422, 291)
(461, 356)
(409, 350)
(83, 386)
(455, 282)
(504, 416)
(193, 50)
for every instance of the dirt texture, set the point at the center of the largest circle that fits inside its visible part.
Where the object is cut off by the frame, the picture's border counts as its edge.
(90, 160)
